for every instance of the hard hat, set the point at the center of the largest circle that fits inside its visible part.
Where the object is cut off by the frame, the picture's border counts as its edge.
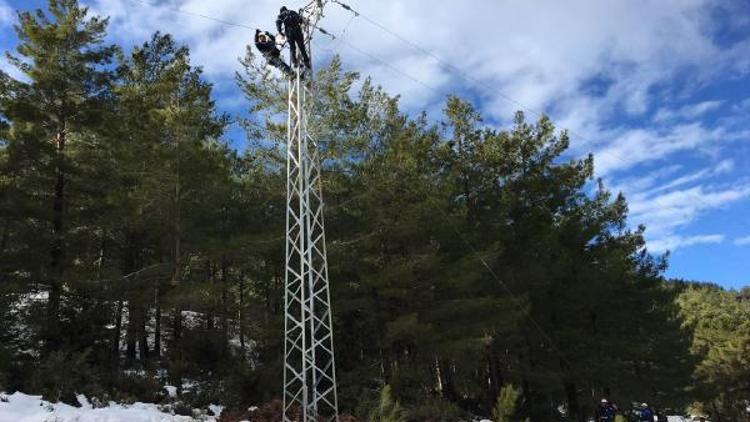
(644, 405)
(604, 401)
(283, 9)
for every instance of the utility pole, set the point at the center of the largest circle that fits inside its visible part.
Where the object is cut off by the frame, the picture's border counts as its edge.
(309, 365)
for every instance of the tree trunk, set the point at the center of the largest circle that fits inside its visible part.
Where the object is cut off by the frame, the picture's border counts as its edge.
(210, 314)
(438, 377)
(3, 246)
(267, 298)
(177, 323)
(177, 226)
(131, 331)
(446, 373)
(716, 414)
(102, 252)
(157, 319)
(143, 337)
(57, 253)
(224, 305)
(116, 335)
(240, 315)
(495, 379)
(6, 234)
(574, 409)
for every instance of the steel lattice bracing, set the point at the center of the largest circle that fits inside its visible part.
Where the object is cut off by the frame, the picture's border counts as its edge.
(309, 364)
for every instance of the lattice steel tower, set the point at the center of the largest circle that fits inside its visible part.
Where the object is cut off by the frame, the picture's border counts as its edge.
(309, 364)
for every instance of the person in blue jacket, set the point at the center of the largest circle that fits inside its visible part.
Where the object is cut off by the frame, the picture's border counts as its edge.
(647, 414)
(605, 412)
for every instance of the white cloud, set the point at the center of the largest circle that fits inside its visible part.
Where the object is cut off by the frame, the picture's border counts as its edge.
(664, 214)
(742, 241)
(7, 15)
(667, 200)
(543, 54)
(677, 208)
(548, 49)
(539, 53)
(672, 243)
(642, 183)
(636, 146)
(723, 167)
(688, 112)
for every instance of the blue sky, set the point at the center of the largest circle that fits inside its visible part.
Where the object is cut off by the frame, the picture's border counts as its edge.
(658, 91)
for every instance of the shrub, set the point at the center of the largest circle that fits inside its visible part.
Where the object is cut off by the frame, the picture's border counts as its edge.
(387, 410)
(132, 387)
(63, 374)
(507, 403)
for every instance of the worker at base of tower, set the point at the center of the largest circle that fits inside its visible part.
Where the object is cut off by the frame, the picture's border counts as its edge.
(266, 44)
(290, 23)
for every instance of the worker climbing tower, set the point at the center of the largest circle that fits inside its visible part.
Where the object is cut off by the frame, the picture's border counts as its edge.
(309, 365)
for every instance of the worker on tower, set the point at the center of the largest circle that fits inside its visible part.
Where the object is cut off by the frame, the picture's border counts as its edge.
(292, 29)
(266, 44)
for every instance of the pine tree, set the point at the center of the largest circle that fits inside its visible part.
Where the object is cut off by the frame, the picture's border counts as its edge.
(65, 60)
(174, 169)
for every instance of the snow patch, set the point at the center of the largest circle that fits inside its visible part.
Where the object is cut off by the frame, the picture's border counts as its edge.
(216, 409)
(19, 407)
(171, 390)
(83, 401)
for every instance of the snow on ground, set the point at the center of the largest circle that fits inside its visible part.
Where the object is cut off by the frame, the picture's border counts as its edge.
(19, 407)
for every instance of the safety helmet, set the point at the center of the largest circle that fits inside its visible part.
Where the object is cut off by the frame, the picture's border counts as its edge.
(644, 405)
(283, 9)
(604, 401)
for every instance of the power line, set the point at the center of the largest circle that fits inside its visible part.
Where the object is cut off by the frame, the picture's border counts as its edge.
(440, 61)
(614, 154)
(497, 279)
(194, 14)
(388, 65)
(605, 153)
(417, 80)
(461, 73)
(474, 250)
(445, 64)
(342, 34)
(445, 216)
